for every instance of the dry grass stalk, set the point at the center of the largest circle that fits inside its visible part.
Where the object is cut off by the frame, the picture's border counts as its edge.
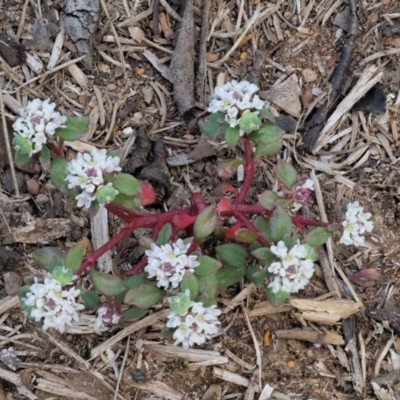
(100, 235)
(368, 79)
(239, 361)
(328, 312)
(239, 298)
(256, 347)
(266, 308)
(159, 389)
(67, 351)
(15, 379)
(230, 377)
(7, 303)
(250, 24)
(192, 355)
(61, 390)
(308, 335)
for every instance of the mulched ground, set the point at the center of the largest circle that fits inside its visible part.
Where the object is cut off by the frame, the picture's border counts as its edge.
(127, 86)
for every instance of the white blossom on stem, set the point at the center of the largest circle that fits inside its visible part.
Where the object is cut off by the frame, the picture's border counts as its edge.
(86, 173)
(234, 99)
(195, 325)
(49, 304)
(168, 263)
(293, 270)
(37, 121)
(107, 314)
(356, 223)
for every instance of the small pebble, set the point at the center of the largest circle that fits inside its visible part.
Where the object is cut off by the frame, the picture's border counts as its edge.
(309, 75)
(33, 187)
(41, 199)
(127, 131)
(138, 375)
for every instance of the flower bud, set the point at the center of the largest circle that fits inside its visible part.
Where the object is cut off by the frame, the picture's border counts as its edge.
(106, 194)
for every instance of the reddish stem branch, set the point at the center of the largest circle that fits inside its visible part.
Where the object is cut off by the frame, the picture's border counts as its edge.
(251, 228)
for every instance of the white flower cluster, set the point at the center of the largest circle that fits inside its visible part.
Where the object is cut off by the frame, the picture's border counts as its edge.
(169, 263)
(293, 271)
(195, 325)
(87, 172)
(37, 120)
(50, 304)
(356, 223)
(235, 99)
(106, 316)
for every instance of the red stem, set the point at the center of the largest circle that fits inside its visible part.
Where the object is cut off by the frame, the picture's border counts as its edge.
(251, 228)
(157, 221)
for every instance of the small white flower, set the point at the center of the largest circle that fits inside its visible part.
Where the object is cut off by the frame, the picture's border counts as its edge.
(52, 306)
(168, 263)
(293, 270)
(37, 120)
(355, 224)
(234, 99)
(107, 314)
(194, 326)
(87, 171)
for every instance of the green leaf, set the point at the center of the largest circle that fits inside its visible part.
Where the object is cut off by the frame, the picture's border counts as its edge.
(249, 122)
(22, 144)
(21, 159)
(286, 174)
(256, 276)
(207, 266)
(165, 234)
(229, 276)
(244, 235)
(74, 127)
(208, 285)
(134, 280)
(213, 125)
(115, 153)
(280, 224)
(268, 199)
(49, 257)
(269, 149)
(91, 299)
(74, 258)
(93, 209)
(264, 255)
(205, 224)
(232, 136)
(107, 284)
(189, 281)
(134, 313)
(318, 236)
(261, 223)
(45, 157)
(62, 274)
(22, 292)
(311, 253)
(130, 203)
(277, 299)
(167, 332)
(127, 184)
(180, 303)
(267, 134)
(144, 296)
(106, 194)
(206, 300)
(265, 113)
(232, 255)
(58, 171)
